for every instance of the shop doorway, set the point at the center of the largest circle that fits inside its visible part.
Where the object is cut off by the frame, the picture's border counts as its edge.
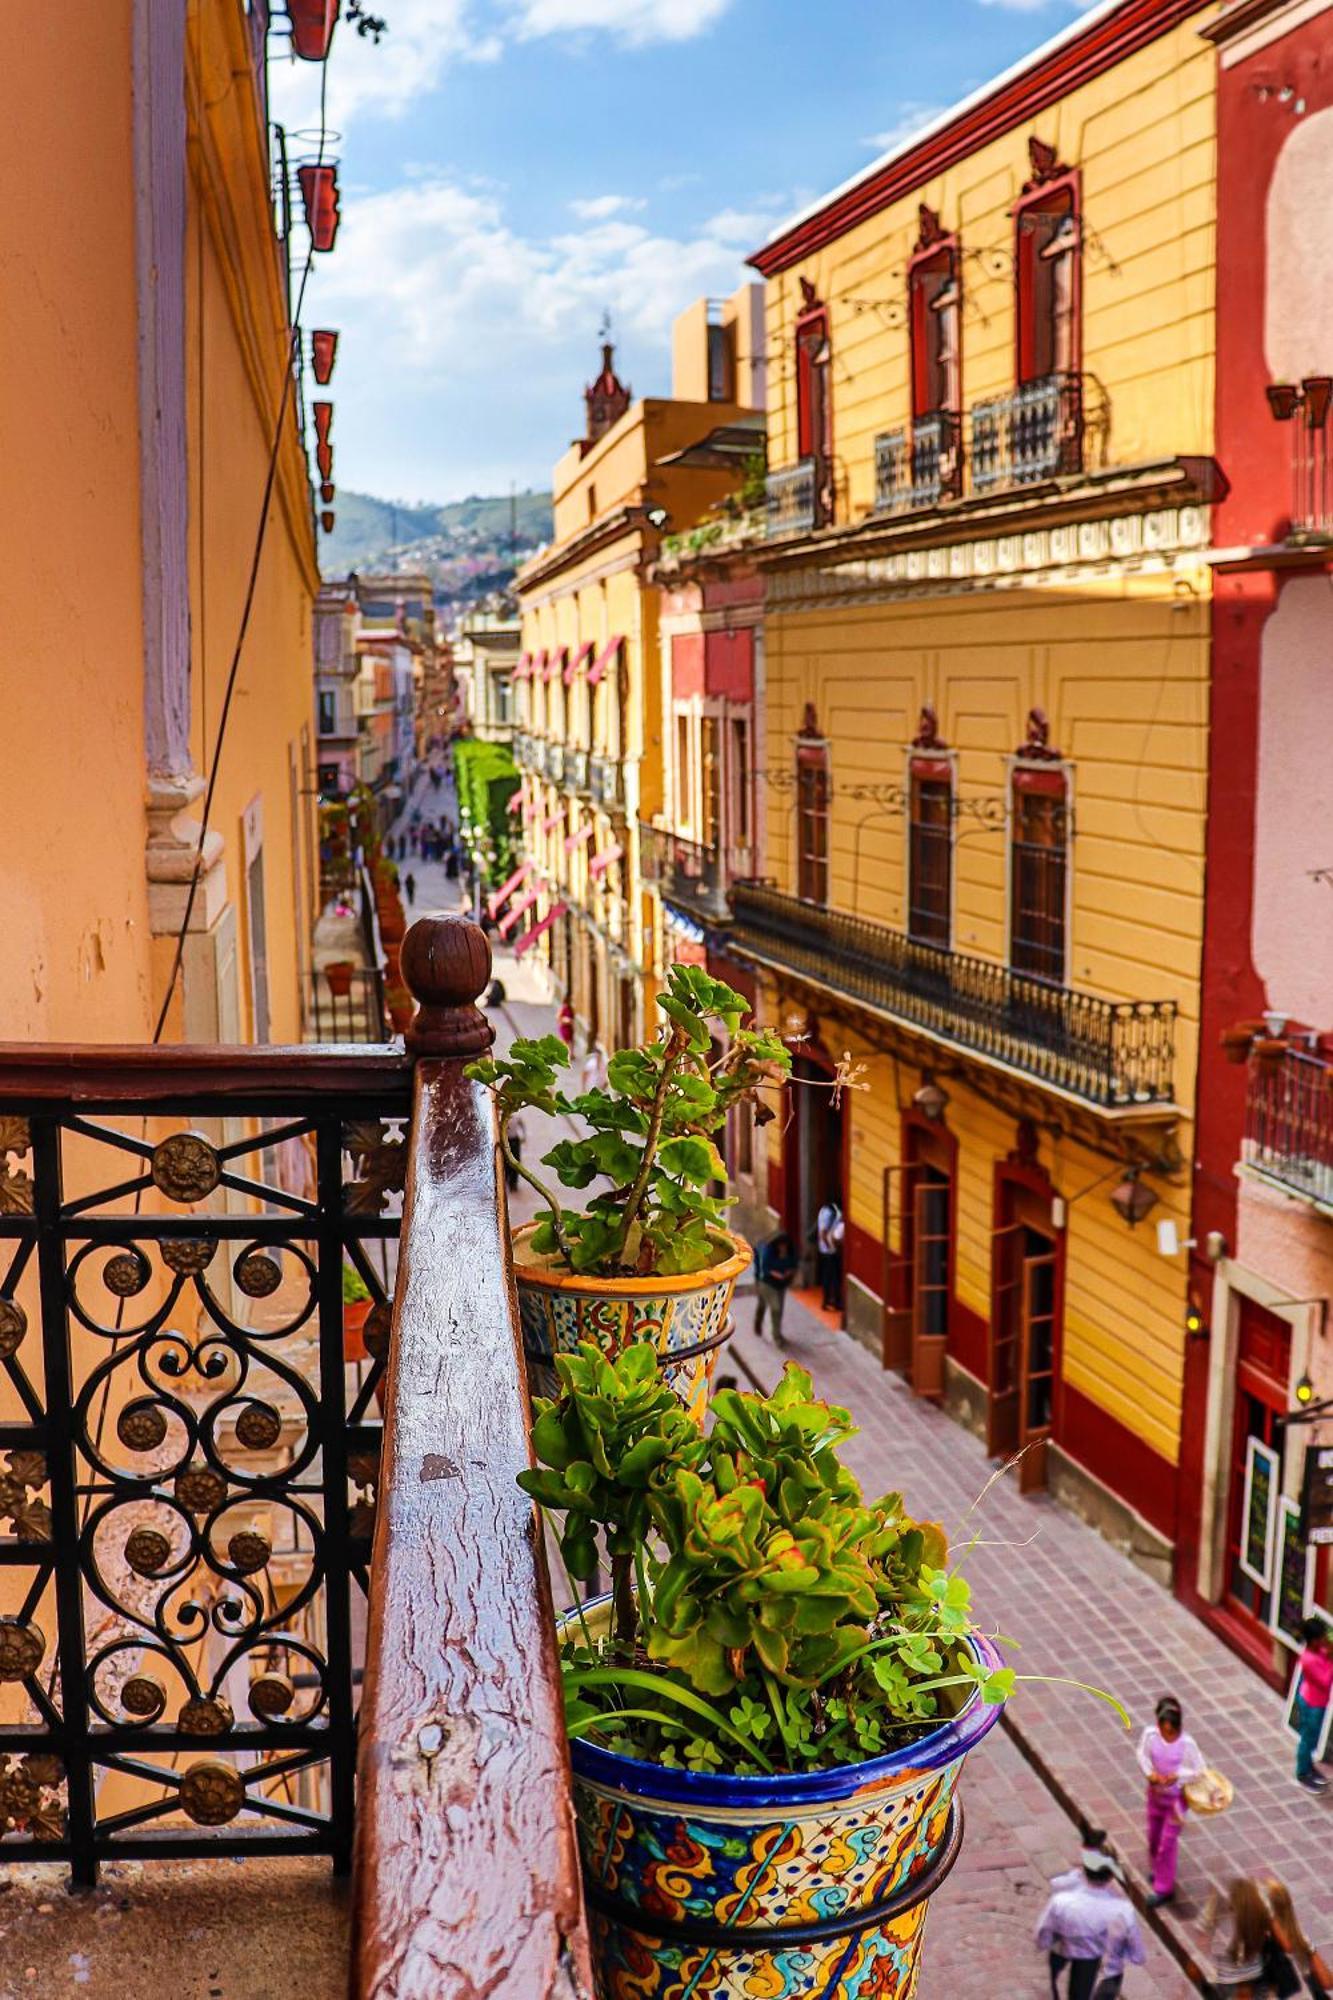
(817, 1156)
(1254, 1482)
(919, 1283)
(1024, 1333)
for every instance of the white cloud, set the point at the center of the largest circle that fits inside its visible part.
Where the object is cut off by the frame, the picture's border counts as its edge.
(467, 343)
(634, 21)
(910, 118)
(599, 206)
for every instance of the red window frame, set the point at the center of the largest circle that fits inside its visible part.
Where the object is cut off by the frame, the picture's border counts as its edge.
(942, 259)
(1060, 197)
(1039, 875)
(930, 901)
(813, 793)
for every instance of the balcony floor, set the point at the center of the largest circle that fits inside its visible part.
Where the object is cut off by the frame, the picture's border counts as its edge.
(269, 1928)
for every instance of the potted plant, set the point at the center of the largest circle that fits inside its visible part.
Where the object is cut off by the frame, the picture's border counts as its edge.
(769, 1712)
(648, 1258)
(339, 974)
(356, 1310)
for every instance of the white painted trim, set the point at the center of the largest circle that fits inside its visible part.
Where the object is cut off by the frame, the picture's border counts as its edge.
(1254, 1451)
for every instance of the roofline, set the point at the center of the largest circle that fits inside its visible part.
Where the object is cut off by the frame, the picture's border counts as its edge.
(1111, 31)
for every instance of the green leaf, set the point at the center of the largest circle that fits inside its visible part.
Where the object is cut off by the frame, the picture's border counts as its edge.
(692, 1159)
(663, 1689)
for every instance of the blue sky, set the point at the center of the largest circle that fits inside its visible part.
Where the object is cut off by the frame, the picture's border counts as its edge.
(510, 168)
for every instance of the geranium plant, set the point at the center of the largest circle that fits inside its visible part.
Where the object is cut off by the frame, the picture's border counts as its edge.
(650, 1133)
(764, 1615)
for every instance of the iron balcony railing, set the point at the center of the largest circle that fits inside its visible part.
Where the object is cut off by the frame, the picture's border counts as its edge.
(791, 500)
(1289, 1122)
(917, 471)
(684, 872)
(1106, 1052)
(555, 762)
(605, 781)
(576, 770)
(346, 1004)
(267, 1594)
(1034, 434)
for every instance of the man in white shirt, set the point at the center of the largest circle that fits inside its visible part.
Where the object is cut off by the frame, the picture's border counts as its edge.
(829, 1231)
(1079, 1926)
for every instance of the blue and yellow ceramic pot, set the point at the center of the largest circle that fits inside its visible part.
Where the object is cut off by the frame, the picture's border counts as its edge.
(706, 1887)
(687, 1319)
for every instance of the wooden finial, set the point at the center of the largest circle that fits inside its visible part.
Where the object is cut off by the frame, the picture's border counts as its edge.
(446, 962)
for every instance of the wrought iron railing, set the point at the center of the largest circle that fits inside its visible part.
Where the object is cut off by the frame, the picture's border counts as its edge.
(555, 762)
(605, 781)
(684, 871)
(576, 770)
(1107, 1052)
(1034, 434)
(916, 472)
(197, 1485)
(346, 1004)
(791, 500)
(1289, 1122)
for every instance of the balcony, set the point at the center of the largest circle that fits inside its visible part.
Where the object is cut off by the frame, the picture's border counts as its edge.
(791, 500)
(1115, 1055)
(1033, 435)
(916, 472)
(606, 782)
(1289, 1124)
(555, 763)
(271, 1613)
(684, 873)
(576, 770)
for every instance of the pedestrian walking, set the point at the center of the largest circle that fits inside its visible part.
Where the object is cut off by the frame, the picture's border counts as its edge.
(410, 884)
(1295, 1965)
(1124, 1946)
(1077, 1924)
(1168, 1759)
(594, 1066)
(1315, 1668)
(829, 1230)
(775, 1263)
(1241, 1970)
(515, 1138)
(564, 1025)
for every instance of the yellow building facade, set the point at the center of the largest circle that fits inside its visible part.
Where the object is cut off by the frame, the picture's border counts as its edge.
(987, 620)
(589, 684)
(149, 329)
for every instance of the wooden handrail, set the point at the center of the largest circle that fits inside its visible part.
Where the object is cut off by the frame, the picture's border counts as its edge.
(134, 1074)
(467, 1878)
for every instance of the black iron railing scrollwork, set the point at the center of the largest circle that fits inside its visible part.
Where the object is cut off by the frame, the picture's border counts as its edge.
(187, 1465)
(1289, 1121)
(1107, 1052)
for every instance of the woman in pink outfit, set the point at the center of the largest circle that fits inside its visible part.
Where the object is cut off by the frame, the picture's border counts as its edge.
(1168, 1759)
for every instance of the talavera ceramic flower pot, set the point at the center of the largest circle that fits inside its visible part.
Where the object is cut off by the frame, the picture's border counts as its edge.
(685, 1318)
(702, 1886)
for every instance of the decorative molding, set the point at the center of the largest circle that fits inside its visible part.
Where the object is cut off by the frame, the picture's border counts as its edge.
(928, 730)
(1046, 165)
(931, 230)
(1037, 747)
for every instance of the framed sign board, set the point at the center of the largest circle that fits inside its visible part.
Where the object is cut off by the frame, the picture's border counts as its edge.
(1258, 1520)
(1317, 1496)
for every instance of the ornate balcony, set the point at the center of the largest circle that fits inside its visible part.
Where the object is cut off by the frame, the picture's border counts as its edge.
(1289, 1124)
(1112, 1054)
(684, 873)
(791, 500)
(915, 473)
(266, 1604)
(1032, 435)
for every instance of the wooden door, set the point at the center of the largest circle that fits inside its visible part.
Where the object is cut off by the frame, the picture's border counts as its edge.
(1038, 1304)
(1002, 1411)
(896, 1336)
(932, 1242)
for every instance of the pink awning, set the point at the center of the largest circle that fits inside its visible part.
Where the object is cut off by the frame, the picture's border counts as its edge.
(585, 652)
(601, 862)
(524, 667)
(503, 894)
(520, 908)
(555, 820)
(604, 659)
(531, 809)
(571, 663)
(550, 663)
(515, 802)
(531, 937)
(573, 840)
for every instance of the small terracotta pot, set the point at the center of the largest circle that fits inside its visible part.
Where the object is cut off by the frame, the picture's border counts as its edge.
(402, 1009)
(355, 1314)
(339, 976)
(687, 1319)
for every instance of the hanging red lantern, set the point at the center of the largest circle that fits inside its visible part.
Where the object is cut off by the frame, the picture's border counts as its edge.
(327, 491)
(319, 192)
(312, 27)
(323, 351)
(327, 519)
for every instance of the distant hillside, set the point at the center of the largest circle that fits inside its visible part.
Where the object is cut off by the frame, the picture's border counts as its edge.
(474, 533)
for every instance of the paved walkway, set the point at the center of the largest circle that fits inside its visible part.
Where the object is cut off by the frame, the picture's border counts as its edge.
(1077, 1606)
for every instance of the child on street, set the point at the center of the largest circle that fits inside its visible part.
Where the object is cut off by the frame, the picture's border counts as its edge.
(1169, 1760)
(1315, 1668)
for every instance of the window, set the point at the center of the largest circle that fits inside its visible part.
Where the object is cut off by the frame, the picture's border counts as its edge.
(740, 783)
(721, 364)
(684, 773)
(711, 773)
(1049, 284)
(328, 712)
(812, 816)
(936, 303)
(504, 706)
(814, 407)
(930, 853)
(1039, 868)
